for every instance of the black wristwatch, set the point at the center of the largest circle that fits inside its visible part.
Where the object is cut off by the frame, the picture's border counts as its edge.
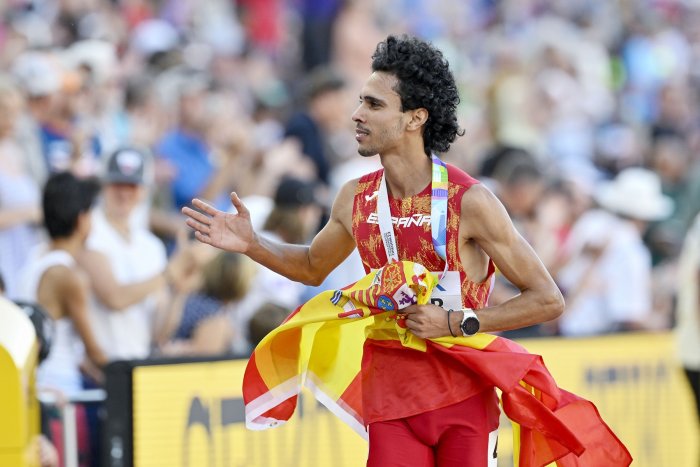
(470, 322)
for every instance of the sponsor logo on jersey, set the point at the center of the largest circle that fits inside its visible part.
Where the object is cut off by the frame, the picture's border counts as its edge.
(415, 219)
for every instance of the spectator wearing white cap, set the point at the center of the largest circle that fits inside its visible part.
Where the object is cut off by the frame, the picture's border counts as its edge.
(64, 125)
(125, 261)
(607, 280)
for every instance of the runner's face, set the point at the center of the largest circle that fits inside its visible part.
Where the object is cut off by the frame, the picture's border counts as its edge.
(379, 122)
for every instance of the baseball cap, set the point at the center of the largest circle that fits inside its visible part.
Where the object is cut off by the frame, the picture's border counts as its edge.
(294, 192)
(37, 74)
(126, 165)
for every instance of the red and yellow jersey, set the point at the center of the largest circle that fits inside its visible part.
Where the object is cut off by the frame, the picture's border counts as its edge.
(411, 219)
(399, 382)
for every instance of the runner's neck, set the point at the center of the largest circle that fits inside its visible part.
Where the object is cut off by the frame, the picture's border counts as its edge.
(407, 177)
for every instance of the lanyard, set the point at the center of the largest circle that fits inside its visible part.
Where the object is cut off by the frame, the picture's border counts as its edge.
(438, 214)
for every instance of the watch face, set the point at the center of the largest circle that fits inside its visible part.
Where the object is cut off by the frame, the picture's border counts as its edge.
(470, 326)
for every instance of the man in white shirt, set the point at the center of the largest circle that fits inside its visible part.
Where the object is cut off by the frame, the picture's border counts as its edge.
(607, 280)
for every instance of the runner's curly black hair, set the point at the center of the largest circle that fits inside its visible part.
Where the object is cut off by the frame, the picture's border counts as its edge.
(424, 81)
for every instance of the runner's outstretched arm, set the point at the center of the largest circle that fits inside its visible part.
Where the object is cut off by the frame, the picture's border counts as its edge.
(309, 264)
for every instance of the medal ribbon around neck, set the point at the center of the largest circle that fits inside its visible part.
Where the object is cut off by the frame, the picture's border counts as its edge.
(438, 214)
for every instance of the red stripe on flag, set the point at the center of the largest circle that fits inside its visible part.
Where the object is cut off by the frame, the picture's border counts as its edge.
(253, 384)
(352, 396)
(345, 314)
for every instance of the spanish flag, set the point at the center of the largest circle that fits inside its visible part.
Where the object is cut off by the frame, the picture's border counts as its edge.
(319, 346)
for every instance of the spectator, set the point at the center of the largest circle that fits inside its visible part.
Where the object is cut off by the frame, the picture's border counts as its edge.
(20, 210)
(138, 121)
(296, 212)
(40, 83)
(67, 129)
(670, 159)
(197, 323)
(125, 262)
(515, 177)
(54, 280)
(186, 148)
(311, 126)
(196, 156)
(555, 215)
(521, 184)
(264, 320)
(607, 278)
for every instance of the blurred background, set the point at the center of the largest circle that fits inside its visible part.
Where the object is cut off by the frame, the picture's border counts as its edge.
(581, 115)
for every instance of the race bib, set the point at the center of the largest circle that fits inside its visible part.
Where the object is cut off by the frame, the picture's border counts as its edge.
(448, 293)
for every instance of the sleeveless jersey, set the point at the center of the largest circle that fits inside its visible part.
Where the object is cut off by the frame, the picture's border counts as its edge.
(61, 369)
(392, 376)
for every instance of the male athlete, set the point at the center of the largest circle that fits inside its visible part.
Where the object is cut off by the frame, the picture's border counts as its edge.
(405, 115)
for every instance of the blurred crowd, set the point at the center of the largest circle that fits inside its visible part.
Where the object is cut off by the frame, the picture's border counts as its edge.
(581, 115)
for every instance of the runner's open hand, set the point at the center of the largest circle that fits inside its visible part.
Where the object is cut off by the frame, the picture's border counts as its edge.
(230, 232)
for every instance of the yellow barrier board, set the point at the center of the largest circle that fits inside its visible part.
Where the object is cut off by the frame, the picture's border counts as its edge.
(19, 408)
(639, 388)
(192, 414)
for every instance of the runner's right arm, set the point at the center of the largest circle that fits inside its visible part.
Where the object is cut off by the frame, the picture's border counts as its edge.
(309, 264)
